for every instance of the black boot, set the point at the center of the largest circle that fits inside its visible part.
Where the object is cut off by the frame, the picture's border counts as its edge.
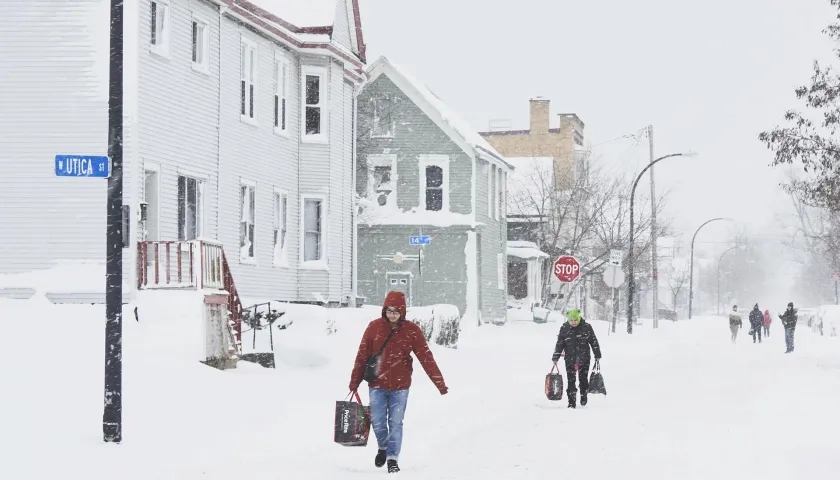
(393, 467)
(583, 399)
(380, 458)
(572, 399)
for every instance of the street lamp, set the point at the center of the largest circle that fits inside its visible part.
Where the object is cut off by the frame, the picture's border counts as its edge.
(718, 274)
(631, 284)
(691, 268)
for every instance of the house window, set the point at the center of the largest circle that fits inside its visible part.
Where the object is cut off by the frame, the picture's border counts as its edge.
(281, 93)
(248, 202)
(501, 260)
(313, 223)
(382, 178)
(248, 69)
(200, 44)
(281, 226)
(434, 176)
(314, 104)
(383, 121)
(190, 208)
(159, 27)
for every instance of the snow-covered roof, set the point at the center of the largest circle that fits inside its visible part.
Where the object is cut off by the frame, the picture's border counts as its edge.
(448, 116)
(301, 13)
(526, 250)
(529, 185)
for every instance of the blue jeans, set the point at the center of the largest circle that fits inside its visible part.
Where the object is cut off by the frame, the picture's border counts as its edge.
(387, 410)
(789, 339)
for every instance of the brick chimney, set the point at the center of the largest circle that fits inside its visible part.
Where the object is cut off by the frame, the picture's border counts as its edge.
(539, 115)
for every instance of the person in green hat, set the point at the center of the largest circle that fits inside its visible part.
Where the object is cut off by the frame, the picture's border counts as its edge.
(574, 341)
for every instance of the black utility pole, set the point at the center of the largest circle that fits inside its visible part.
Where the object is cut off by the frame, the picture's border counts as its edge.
(112, 414)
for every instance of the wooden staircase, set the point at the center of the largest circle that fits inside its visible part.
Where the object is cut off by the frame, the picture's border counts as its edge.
(194, 265)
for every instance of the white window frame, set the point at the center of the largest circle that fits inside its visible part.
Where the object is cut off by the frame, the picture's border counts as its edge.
(281, 93)
(389, 133)
(491, 192)
(386, 160)
(201, 44)
(252, 187)
(501, 263)
(504, 195)
(441, 161)
(161, 33)
(323, 104)
(200, 207)
(499, 192)
(245, 45)
(321, 263)
(281, 258)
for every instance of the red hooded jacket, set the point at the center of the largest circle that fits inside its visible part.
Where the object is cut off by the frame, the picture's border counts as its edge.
(396, 362)
(767, 318)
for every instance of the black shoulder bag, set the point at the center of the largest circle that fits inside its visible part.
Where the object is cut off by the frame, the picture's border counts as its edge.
(372, 367)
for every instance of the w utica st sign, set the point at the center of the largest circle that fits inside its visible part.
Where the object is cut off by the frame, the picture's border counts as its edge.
(566, 269)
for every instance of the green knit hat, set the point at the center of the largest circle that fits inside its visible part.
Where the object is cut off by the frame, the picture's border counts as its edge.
(573, 314)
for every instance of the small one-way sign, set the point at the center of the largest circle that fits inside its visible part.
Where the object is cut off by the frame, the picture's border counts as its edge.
(419, 240)
(90, 166)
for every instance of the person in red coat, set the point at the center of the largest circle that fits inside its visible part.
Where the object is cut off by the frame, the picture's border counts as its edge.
(767, 321)
(389, 390)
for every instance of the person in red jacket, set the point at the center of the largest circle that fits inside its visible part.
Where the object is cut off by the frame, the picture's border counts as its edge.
(767, 321)
(396, 338)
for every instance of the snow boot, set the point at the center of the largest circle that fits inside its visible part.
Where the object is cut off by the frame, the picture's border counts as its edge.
(572, 399)
(392, 466)
(380, 458)
(583, 400)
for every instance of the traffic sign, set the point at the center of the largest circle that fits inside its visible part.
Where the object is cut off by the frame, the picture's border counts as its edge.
(615, 257)
(89, 166)
(566, 269)
(613, 276)
(419, 240)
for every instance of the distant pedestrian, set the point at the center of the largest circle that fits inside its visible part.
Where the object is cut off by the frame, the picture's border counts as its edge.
(756, 323)
(767, 320)
(789, 322)
(735, 322)
(575, 338)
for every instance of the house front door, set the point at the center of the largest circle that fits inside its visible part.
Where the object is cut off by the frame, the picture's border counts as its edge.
(400, 282)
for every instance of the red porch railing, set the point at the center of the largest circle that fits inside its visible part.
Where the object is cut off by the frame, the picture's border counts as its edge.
(189, 264)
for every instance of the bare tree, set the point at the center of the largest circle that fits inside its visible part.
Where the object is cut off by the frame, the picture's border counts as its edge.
(676, 283)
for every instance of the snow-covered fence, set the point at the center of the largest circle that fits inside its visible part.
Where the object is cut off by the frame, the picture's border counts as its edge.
(441, 324)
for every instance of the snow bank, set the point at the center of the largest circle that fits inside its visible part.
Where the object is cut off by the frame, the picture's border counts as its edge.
(66, 276)
(441, 323)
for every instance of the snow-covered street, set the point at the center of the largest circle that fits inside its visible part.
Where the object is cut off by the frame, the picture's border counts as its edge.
(682, 403)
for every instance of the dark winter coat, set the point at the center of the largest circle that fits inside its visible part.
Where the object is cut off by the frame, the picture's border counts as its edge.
(756, 318)
(575, 342)
(735, 320)
(789, 318)
(396, 362)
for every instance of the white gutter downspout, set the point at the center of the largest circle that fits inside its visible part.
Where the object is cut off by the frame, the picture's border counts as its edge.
(354, 260)
(222, 10)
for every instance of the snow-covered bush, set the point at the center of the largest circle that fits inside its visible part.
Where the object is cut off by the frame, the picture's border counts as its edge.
(448, 325)
(424, 317)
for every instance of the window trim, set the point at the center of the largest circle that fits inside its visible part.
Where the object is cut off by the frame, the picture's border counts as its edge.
(201, 67)
(441, 161)
(244, 117)
(321, 263)
(281, 59)
(503, 197)
(161, 49)
(491, 189)
(391, 128)
(383, 160)
(499, 192)
(284, 263)
(253, 185)
(324, 102)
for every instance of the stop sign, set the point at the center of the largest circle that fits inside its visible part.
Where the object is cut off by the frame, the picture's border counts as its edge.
(567, 269)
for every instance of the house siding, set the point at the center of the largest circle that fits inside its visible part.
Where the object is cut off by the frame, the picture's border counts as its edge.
(341, 28)
(445, 280)
(54, 100)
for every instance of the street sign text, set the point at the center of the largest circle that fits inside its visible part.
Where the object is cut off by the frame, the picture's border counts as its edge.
(90, 166)
(567, 269)
(419, 240)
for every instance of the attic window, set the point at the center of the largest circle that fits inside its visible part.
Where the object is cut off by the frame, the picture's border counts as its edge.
(383, 120)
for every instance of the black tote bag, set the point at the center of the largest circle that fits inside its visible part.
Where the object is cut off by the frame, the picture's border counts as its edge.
(596, 380)
(554, 384)
(352, 422)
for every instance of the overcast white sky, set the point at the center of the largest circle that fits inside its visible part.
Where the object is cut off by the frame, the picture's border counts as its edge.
(708, 75)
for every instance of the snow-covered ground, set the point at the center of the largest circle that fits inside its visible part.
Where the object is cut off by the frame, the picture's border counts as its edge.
(683, 403)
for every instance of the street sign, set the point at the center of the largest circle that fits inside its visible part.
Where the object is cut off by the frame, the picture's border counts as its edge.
(89, 166)
(567, 269)
(615, 257)
(613, 276)
(419, 240)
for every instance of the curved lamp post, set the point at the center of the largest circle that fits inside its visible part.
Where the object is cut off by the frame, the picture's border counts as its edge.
(718, 273)
(691, 268)
(631, 284)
